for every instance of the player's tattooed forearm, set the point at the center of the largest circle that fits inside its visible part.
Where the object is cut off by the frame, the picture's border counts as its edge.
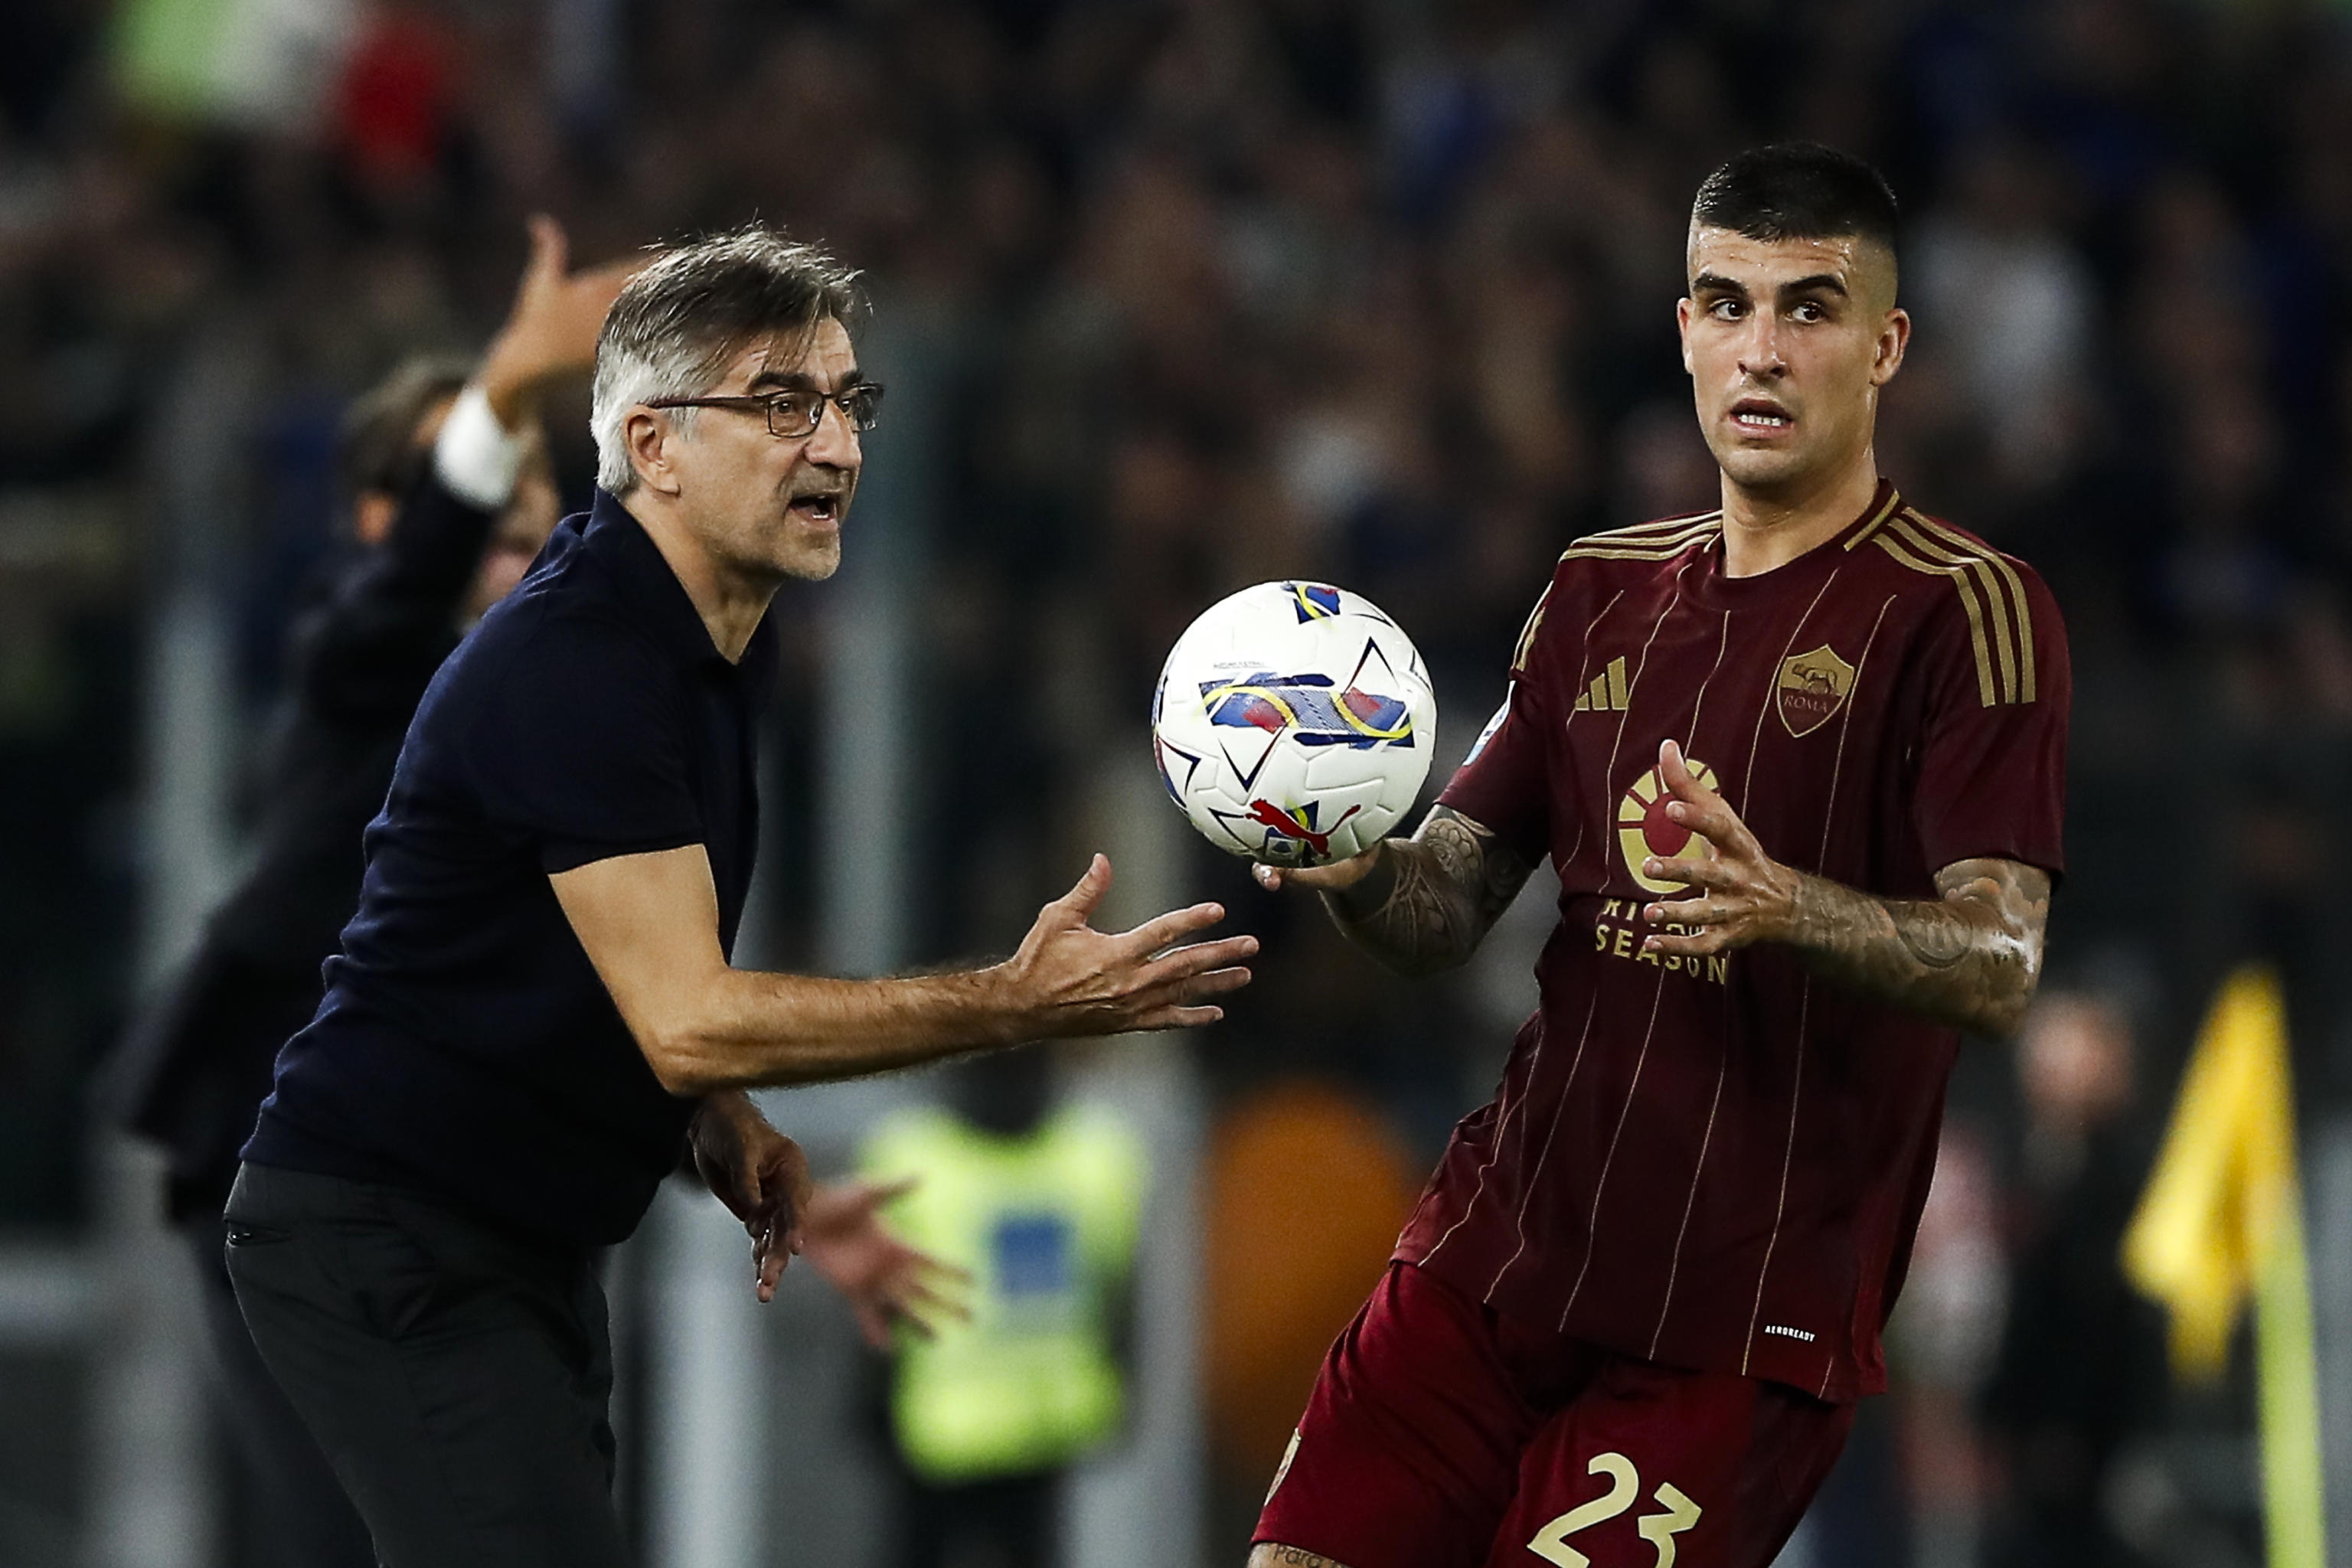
(1429, 900)
(1971, 958)
(1270, 1552)
(1402, 910)
(1936, 937)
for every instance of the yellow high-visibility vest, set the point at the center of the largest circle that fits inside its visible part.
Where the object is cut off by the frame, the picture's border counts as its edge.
(1046, 1224)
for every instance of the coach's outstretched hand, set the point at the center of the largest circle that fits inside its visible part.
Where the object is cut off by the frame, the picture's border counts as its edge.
(1070, 979)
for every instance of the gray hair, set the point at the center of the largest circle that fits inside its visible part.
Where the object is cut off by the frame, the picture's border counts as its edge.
(678, 324)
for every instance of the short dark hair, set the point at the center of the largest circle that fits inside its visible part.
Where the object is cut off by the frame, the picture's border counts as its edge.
(677, 323)
(376, 449)
(1799, 190)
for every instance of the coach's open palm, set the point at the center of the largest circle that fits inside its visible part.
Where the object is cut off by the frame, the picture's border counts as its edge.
(1071, 979)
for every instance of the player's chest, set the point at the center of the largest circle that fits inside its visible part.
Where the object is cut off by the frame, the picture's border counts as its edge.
(1790, 708)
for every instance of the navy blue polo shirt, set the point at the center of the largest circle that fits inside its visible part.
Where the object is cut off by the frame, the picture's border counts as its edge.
(465, 1045)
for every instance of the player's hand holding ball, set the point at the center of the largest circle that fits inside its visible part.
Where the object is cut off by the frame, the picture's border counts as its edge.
(1328, 878)
(1293, 725)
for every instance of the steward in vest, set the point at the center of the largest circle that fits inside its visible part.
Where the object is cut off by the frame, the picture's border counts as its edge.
(1042, 1204)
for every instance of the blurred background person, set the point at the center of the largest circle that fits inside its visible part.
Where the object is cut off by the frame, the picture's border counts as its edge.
(451, 497)
(2078, 1382)
(1039, 1202)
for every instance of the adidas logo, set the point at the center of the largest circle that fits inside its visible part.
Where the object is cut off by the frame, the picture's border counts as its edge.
(1607, 694)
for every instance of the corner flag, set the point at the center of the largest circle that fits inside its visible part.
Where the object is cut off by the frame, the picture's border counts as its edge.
(2222, 1222)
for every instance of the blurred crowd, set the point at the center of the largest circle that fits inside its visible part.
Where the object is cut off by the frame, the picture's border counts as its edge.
(1211, 292)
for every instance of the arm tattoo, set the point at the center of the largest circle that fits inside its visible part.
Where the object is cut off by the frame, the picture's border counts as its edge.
(1970, 958)
(1429, 900)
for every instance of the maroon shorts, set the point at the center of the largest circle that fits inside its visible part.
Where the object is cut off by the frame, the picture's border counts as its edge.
(1441, 1435)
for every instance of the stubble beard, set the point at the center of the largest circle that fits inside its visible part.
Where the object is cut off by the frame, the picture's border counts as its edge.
(805, 554)
(816, 562)
(810, 555)
(1768, 475)
(773, 550)
(1790, 474)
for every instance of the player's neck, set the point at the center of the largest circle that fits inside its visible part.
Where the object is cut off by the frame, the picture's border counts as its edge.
(728, 605)
(1764, 530)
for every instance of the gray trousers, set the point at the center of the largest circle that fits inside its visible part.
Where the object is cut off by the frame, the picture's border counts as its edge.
(458, 1377)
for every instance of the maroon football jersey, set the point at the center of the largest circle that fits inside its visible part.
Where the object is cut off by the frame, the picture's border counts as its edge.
(1719, 1162)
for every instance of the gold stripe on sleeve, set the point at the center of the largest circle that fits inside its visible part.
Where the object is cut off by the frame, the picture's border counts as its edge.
(1999, 564)
(1527, 642)
(1659, 547)
(2004, 638)
(1967, 589)
(1634, 531)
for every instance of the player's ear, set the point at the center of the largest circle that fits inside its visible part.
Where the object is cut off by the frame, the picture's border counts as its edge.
(1683, 307)
(649, 442)
(1893, 339)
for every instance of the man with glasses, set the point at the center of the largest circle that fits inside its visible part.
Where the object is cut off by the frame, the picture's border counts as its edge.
(533, 1012)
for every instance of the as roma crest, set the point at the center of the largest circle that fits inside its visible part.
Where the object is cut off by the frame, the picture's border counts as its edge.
(1813, 686)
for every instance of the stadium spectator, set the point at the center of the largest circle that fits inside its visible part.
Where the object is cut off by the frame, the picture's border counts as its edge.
(2080, 1375)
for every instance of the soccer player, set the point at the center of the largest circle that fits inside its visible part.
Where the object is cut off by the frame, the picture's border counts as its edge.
(1797, 763)
(533, 1015)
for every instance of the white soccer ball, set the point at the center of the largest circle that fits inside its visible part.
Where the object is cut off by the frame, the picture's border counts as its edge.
(1292, 723)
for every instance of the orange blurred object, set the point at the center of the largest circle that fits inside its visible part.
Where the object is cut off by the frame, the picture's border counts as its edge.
(1307, 1189)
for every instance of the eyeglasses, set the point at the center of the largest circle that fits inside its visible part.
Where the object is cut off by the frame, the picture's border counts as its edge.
(795, 414)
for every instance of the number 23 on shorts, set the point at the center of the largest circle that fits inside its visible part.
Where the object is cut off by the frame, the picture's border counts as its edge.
(1659, 1529)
